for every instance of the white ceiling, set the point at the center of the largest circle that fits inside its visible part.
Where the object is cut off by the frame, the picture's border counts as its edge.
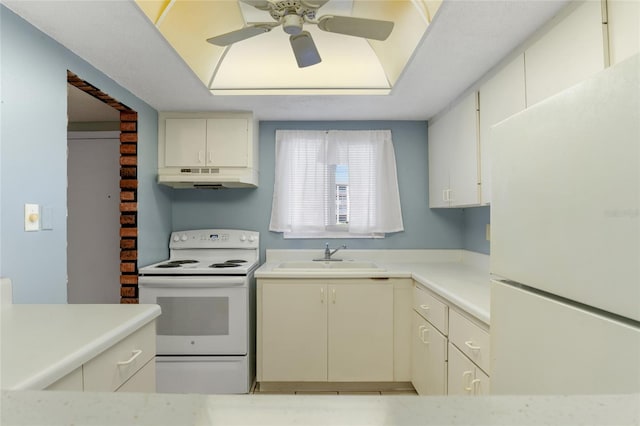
(464, 41)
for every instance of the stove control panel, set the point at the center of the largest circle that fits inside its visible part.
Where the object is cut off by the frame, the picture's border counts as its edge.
(214, 238)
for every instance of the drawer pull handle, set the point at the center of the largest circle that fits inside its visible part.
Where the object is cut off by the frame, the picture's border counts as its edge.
(471, 346)
(423, 330)
(467, 375)
(424, 307)
(135, 355)
(475, 383)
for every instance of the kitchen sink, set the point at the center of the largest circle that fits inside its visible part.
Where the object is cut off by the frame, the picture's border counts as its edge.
(345, 265)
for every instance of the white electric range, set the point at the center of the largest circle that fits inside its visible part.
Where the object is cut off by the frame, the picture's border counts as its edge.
(206, 290)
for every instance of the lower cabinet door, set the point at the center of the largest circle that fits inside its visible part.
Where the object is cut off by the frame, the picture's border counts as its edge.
(461, 373)
(294, 331)
(428, 358)
(360, 336)
(464, 377)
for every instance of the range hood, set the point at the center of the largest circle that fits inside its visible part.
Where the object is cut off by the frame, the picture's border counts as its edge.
(208, 178)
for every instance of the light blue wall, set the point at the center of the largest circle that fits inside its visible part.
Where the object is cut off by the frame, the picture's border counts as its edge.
(251, 208)
(475, 222)
(33, 147)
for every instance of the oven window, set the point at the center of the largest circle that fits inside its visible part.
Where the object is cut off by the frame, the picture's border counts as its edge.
(193, 316)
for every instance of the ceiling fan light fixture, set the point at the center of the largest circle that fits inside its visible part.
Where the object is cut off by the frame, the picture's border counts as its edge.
(292, 24)
(304, 49)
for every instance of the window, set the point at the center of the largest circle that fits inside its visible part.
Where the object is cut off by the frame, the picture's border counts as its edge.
(335, 184)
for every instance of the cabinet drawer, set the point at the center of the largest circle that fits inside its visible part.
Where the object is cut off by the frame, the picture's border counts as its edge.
(143, 381)
(116, 365)
(472, 340)
(431, 309)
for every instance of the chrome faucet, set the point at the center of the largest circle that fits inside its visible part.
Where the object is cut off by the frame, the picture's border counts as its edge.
(328, 253)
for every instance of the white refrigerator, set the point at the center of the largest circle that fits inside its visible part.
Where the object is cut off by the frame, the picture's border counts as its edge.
(565, 241)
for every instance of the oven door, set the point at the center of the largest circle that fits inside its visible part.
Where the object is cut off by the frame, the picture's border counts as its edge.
(201, 315)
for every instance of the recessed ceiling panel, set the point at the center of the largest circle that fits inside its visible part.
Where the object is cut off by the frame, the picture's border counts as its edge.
(266, 64)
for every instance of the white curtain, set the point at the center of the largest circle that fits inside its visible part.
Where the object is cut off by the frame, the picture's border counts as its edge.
(302, 200)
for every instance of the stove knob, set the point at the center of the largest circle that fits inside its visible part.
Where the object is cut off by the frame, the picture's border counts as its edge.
(243, 237)
(251, 238)
(176, 238)
(183, 237)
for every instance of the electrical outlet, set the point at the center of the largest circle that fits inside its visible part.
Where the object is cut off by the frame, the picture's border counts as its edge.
(31, 217)
(487, 232)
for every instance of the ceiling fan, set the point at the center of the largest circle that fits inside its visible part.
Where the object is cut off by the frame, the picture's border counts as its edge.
(292, 14)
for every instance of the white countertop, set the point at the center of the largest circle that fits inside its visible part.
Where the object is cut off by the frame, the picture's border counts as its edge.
(66, 408)
(459, 276)
(42, 343)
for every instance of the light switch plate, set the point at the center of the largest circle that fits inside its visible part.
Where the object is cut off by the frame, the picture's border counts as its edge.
(31, 217)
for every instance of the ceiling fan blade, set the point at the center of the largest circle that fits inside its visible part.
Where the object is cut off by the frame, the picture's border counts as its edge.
(305, 49)
(359, 27)
(258, 4)
(241, 34)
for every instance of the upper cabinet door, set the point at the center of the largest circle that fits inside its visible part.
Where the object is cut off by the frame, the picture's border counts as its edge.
(439, 148)
(463, 171)
(500, 97)
(228, 142)
(623, 18)
(568, 53)
(185, 142)
(453, 156)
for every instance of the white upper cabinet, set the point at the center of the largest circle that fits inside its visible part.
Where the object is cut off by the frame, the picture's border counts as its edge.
(623, 19)
(500, 97)
(185, 144)
(207, 150)
(566, 54)
(453, 156)
(214, 142)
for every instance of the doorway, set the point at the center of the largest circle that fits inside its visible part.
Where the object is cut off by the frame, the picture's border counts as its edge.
(117, 281)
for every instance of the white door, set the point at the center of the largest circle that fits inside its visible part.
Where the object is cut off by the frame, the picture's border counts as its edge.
(185, 142)
(360, 342)
(294, 331)
(93, 217)
(228, 142)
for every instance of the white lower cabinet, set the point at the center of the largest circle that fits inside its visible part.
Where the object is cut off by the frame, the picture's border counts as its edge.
(319, 330)
(449, 351)
(428, 358)
(144, 380)
(292, 331)
(128, 366)
(464, 377)
(70, 382)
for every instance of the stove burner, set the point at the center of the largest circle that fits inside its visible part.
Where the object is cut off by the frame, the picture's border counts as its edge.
(228, 263)
(176, 263)
(224, 265)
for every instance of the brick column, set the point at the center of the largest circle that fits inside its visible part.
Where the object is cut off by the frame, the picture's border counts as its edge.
(128, 206)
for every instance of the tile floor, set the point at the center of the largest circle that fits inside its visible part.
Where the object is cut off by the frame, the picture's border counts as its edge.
(256, 390)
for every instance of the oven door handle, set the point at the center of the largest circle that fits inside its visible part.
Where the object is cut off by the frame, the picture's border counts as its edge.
(191, 282)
